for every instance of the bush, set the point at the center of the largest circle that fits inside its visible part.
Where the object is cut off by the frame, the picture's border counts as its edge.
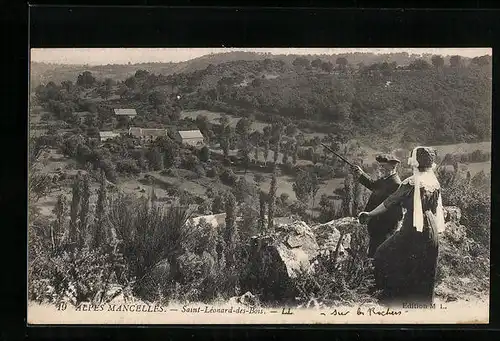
(128, 166)
(473, 198)
(109, 169)
(76, 276)
(228, 177)
(212, 172)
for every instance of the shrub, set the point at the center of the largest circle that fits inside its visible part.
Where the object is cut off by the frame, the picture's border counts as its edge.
(212, 172)
(128, 166)
(228, 177)
(474, 200)
(109, 169)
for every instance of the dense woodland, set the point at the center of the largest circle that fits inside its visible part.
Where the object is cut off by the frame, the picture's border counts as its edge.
(432, 103)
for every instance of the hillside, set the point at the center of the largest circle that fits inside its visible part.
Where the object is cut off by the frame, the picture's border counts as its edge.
(42, 72)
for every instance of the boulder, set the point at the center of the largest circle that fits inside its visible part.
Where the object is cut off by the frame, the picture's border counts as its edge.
(278, 258)
(328, 234)
(296, 246)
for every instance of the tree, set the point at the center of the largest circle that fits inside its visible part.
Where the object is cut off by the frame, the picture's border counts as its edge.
(226, 135)
(327, 66)
(155, 159)
(295, 152)
(153, 196)
(301, 62)
(157, 98)
(190, 162)
(231, 231)
(204, 154)
(85, 79)
(58, 226)
(314, 187)
(342, 62)
(481, 61)
(266, 150)
(131, 83)
(67, 85)
(327, 209)
(203, 124)
(277, 132)
(455, 61)
(262, 211)
(74, 210)
(437, 61)
(316, 63)
(291, 130)
(109, 169)
(84, 210)
(218, 204)
(99, 233)
(248, 226)
(348, 196)
(419, 64)
(306, 186)
(272, 201)
(243, 127)
(108, 83)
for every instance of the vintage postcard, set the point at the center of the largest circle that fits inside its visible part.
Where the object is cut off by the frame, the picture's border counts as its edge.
(259, 186)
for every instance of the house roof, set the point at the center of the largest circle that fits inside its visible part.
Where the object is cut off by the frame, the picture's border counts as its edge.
(125, 112)
(135, 130)
(190, 134)
(108, 134)
(147, 131)
(154, 132)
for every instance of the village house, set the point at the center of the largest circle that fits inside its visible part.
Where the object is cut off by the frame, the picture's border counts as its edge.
(191, 137)
(107, 135)
(147, 134)
(130, 113)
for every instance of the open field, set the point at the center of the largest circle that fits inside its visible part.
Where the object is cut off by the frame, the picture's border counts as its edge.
(463, 148)
(52, 161)
(477, 167)
(214, 117)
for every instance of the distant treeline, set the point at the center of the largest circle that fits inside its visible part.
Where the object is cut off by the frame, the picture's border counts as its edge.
(423, 102)
(475, 156)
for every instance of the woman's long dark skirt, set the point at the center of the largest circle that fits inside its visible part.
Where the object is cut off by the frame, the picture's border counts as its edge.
(405, 268)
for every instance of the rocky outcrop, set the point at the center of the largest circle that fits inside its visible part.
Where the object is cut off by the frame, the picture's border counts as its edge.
(281, 256)
(329, 234)
(296, 246)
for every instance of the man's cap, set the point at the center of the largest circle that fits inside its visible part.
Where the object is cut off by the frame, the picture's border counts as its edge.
(387, 158)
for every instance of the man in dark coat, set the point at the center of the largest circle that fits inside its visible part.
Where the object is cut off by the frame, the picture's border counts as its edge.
(383, 226)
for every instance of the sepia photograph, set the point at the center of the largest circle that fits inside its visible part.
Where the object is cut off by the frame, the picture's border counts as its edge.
(259, 185)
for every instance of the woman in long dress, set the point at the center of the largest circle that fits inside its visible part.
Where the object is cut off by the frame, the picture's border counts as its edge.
(406, 263)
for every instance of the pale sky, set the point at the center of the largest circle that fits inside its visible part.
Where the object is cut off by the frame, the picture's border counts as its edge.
(102, 56)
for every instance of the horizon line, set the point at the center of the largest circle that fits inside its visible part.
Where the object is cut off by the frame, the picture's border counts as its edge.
(56, 56)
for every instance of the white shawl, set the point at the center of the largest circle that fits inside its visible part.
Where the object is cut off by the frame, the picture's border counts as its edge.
(426, 179)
